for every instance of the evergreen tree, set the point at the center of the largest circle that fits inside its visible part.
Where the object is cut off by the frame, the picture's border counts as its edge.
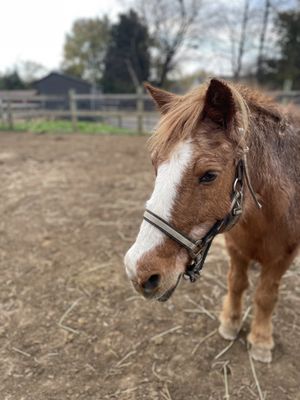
(11, 81)
(289, 42)
(286, 67)
(127, 61)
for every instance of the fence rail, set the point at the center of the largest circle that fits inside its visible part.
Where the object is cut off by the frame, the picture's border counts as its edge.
(134, 111)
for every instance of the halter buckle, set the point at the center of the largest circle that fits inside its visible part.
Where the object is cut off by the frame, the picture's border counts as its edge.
(237, 211)
(197, 249)
(192, 273)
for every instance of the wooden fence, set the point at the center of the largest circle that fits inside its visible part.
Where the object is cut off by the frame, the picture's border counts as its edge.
(120, 109)
(117, 107)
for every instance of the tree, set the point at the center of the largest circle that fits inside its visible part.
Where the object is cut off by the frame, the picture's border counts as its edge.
(127, 62)
(242, 39)
(235, 34)
(11, 81)
(265, 22)
(171, 24)
(289, 43)
(30, 71)
(85, 48)
(286, 67)
(241, 32)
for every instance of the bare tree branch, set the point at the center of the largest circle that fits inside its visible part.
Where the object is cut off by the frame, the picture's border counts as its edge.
(263, 36)
(170, 23)
(241, 50)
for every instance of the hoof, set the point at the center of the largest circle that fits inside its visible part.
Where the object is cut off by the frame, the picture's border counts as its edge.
(261, 354)
(260, 347)
(228, 332)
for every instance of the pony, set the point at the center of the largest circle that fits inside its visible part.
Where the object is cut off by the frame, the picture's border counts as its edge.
(200, 141)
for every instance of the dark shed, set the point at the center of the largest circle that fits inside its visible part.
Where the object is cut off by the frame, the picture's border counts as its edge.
(59, 84)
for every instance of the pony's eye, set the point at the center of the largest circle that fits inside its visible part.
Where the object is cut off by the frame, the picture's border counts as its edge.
(208, 177)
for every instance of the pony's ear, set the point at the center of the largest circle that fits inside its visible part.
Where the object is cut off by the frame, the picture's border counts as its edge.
(219, 105)
(162, 98)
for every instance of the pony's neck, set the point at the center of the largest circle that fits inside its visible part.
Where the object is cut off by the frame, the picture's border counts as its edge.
(263, 160)
(270, 139)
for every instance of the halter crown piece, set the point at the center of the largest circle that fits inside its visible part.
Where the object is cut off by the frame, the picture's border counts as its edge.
(198, 249)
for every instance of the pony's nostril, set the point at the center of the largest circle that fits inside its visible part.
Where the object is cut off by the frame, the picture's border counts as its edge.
(151, 284)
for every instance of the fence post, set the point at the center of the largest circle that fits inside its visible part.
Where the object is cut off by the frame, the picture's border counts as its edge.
(287, 86)
(120, 122)
(1, 112)
(73, 108)
(140, 110)
(10, 119)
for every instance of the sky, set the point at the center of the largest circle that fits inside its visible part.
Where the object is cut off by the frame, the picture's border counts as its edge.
(34, 30)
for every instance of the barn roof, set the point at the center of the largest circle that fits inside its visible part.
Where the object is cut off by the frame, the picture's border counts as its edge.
(64, 76)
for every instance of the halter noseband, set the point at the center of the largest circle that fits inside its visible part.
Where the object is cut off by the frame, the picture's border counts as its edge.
(198, 249)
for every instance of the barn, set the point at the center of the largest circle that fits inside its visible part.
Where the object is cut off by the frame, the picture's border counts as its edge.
(59, 84)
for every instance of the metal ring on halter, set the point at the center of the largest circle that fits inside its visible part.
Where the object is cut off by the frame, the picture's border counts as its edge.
(235, 185)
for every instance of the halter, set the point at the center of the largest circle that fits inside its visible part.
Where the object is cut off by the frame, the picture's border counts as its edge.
(198, 249)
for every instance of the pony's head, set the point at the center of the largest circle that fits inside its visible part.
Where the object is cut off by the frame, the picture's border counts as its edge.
(194, 153)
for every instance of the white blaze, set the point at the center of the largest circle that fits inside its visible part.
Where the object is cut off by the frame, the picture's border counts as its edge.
(169, 176)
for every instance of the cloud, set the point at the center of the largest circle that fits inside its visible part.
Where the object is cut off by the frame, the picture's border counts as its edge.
(35, 30)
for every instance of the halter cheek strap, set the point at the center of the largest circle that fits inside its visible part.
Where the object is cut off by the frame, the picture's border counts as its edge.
(198, 249)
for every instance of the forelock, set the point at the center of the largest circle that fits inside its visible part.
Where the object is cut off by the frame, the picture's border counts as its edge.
(183, 118)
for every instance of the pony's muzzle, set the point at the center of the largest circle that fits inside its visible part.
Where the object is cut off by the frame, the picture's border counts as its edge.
(151, 276)
(148, 286)
(151, 284)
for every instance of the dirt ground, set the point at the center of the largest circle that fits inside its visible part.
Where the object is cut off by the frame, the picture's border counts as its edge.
(71, 326)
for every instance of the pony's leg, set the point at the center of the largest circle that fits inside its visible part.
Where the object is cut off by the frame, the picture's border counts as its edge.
(237, 280)
(266, 295)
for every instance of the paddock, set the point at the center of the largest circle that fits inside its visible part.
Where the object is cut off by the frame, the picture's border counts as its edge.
(71, 326)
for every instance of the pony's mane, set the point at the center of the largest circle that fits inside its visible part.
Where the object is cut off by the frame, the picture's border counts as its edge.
(183, 117)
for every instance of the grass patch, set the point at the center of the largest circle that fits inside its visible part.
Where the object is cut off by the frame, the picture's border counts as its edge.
(64, 126)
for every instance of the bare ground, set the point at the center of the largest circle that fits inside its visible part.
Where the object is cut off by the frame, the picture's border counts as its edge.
(71, 326)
